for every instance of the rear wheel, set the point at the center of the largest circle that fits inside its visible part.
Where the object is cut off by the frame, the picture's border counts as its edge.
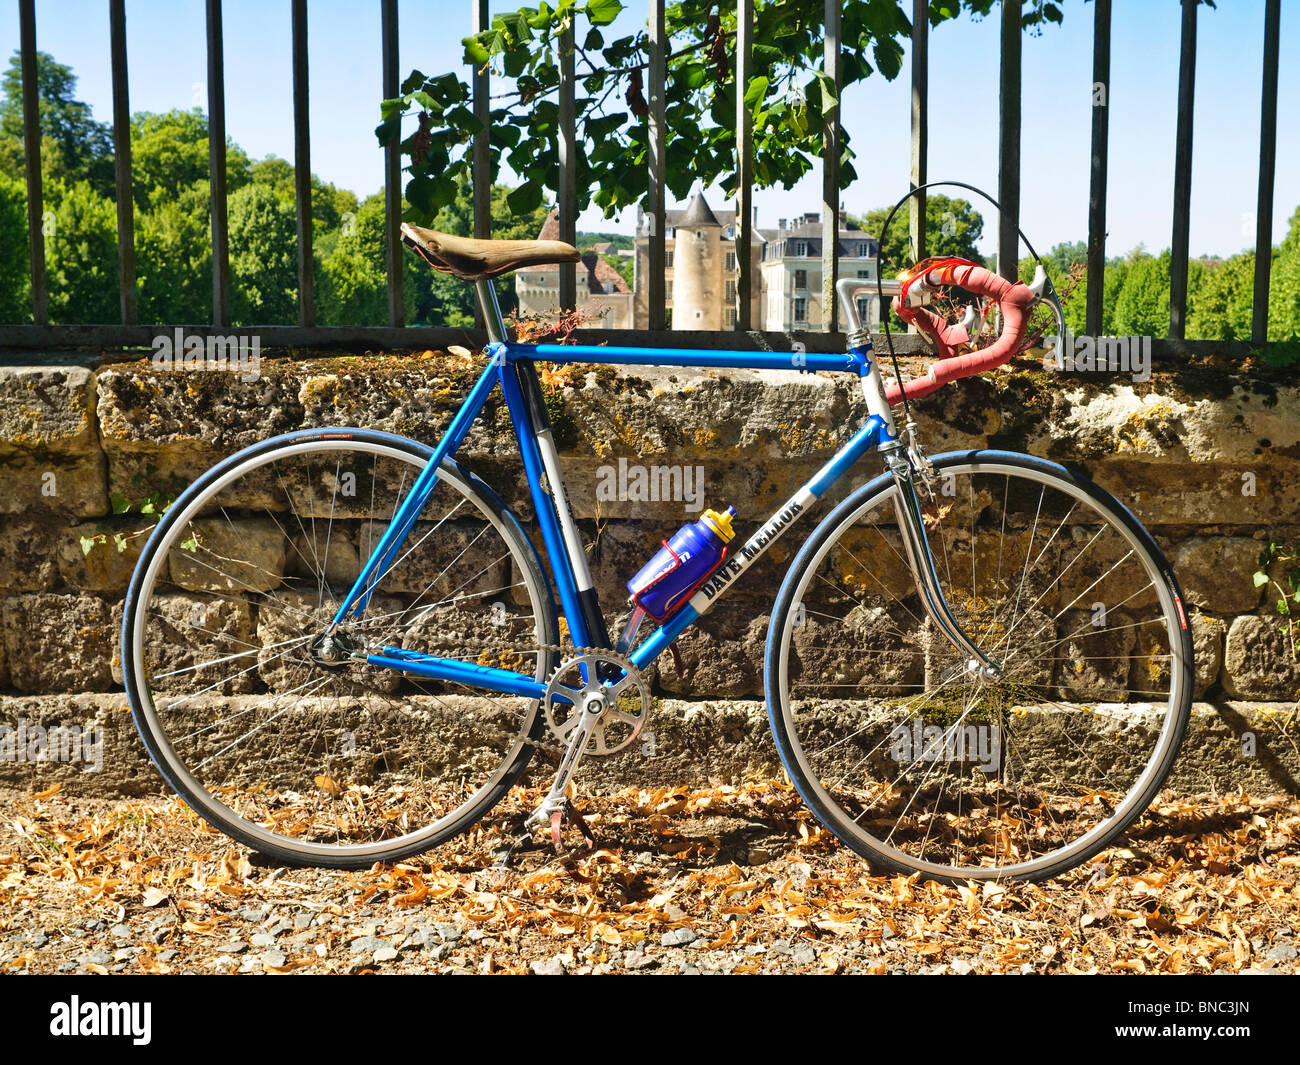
(296, 745)
(918, 761)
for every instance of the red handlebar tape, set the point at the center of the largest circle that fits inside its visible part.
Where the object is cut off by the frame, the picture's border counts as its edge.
(1012, 297)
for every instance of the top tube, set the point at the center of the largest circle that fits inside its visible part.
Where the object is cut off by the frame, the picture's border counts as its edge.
(805, 361)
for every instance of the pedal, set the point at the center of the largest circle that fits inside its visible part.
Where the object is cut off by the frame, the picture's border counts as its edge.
(580, 822)
(584, 828)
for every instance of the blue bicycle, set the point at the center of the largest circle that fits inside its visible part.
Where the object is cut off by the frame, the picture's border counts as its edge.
(341, 646)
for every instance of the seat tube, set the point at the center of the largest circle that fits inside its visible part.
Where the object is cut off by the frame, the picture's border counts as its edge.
(589, 627)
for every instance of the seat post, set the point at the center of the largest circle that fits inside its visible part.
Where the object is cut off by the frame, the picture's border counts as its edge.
(487, 300)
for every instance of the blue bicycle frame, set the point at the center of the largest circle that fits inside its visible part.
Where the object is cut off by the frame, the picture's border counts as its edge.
(511, 366)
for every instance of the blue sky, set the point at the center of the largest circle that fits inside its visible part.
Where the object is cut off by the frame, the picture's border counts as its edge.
(165, 40)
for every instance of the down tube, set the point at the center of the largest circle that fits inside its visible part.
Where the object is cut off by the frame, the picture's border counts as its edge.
(795, 507)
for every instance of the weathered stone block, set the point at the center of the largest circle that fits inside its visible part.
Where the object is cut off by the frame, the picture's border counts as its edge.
(1259, 661)
(244, 555)
(195, 643)
(1149, 676)
(1093, 662)
(1215, 572)
(27, 555)
(115, 548)
(58, 643)
(50, 457)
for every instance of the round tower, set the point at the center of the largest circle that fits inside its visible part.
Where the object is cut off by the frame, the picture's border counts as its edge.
(697, 268)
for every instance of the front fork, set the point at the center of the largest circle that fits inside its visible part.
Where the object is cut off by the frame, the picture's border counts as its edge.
(911, 523)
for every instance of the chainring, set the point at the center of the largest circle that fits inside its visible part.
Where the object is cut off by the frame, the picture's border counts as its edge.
(624, 717)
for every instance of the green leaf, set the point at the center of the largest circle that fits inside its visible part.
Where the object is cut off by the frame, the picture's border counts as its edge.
(526, 198)
(829, 97)
(1260, 579)
(426, 101)
(87, 544)
(756, 91)
(413, 81)
(119, 503)
(192, 544)
(603, 12)
(119, 542)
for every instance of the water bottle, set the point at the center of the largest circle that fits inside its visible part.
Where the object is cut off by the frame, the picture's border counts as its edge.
(683, 563)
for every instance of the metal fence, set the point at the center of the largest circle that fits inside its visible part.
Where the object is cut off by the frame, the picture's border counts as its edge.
(41, 334)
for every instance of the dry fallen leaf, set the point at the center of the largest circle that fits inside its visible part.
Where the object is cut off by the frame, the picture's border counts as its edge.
(152, 896)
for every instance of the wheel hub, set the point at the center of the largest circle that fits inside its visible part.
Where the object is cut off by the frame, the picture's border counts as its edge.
(332, 650)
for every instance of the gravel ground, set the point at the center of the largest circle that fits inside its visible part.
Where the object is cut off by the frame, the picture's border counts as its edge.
(713, 879)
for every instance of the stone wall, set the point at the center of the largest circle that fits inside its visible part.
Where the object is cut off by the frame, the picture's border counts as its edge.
(1208, 460)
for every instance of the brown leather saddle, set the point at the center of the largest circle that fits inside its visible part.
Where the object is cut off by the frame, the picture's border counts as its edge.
(476, 260)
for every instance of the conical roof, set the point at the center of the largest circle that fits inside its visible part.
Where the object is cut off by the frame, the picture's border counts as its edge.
(698, 213)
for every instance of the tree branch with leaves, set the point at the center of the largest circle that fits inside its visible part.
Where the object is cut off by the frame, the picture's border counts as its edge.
(790, 97)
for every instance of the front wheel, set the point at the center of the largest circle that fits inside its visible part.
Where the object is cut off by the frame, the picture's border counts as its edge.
(913, 756)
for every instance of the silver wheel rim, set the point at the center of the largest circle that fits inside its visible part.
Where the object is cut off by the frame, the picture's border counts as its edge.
(417, 838)
(1155, 765)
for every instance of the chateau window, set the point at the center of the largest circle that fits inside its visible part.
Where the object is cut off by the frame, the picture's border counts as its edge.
(801, 279)
(731, 261)
(731, 290)
(668, 259)
(801, 310)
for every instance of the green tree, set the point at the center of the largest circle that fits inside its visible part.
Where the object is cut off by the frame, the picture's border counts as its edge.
(74, 147)
(353, 280)
(952, 227)
(1141, 307)
(169, 155)
(328, 203)
(624, 265)
(15, 296)
(1066, 257)
(1284, 286)
(81, 256)
(174, 260)
(1220, 306)
(263, 257)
